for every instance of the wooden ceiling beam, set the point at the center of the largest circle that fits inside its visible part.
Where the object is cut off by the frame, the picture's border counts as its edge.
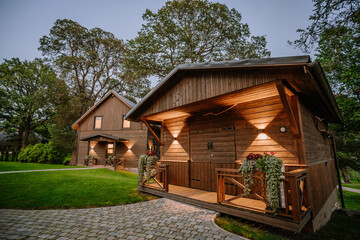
(152, 131)
(288, 107)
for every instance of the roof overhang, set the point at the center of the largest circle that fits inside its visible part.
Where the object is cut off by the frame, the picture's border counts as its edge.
(103, 137)
(126, 101)
(319, 88)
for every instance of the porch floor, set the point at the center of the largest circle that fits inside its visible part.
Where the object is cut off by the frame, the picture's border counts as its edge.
(210, 197)
(250, 209)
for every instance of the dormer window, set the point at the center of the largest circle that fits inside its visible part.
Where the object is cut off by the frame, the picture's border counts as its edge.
(97, 122)
(126, 123)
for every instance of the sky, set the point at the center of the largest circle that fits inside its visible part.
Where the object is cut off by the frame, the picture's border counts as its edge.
(24, 22)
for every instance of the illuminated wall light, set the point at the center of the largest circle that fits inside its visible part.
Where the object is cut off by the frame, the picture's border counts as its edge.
(262, 136)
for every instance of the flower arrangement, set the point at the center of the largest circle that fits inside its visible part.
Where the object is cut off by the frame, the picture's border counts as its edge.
(269, 164)
(149, 159)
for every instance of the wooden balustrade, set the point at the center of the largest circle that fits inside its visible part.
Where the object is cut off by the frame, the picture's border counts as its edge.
(296, 197)
(296, 201)
(159, 175)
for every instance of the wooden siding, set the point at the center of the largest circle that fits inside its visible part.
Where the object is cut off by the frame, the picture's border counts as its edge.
(233, 135)
(322, 174)
(258, 130)
(112, 111)
(195, 86)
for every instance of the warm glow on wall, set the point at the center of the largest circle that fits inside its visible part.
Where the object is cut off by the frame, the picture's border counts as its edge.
(263, 122)
(262, 136)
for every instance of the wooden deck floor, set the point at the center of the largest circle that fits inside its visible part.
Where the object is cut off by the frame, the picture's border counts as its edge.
(251, 209)
(210, 197)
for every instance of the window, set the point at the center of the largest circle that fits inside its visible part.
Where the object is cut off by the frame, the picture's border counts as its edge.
(97, 122)
(126, 123)
(110, 148)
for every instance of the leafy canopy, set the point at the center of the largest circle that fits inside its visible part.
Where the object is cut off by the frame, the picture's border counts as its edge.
(188, 31)
(27, 92)
(90, 61)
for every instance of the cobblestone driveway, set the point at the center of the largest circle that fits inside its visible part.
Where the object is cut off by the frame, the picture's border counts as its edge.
(156, 219)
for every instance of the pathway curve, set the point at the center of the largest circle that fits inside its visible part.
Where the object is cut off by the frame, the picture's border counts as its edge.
(156, 219)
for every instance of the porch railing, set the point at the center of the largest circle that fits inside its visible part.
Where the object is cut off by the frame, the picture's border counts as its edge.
(159, 177)
(296, 195)
(295, 191)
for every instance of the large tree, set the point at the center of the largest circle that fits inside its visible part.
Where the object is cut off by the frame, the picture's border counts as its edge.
(188, 31)
(27, 90)
(90, 61)
(334, 34)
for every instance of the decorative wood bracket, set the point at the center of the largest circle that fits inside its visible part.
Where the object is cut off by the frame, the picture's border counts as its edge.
(152, 131)
(289, 108)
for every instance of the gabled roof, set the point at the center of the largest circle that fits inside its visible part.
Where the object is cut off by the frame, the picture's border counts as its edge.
(103, 135)
(170, 79)
(126, 101)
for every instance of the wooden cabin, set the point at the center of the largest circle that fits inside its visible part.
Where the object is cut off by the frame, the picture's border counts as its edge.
(103, 131)
(213, 114)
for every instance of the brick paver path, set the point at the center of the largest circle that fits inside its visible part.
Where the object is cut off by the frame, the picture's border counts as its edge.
(156, 219)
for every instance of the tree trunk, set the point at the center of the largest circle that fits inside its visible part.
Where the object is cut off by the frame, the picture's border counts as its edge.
(346, 175)
(25, 137)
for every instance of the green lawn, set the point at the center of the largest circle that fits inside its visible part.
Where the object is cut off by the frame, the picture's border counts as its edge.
(352, 200)
(17, 166)
(341, 226)
(68, 189)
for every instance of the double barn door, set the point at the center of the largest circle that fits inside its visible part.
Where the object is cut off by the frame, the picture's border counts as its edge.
(212, 145)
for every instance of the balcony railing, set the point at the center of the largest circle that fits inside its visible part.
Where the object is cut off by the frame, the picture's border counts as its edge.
(295, 191)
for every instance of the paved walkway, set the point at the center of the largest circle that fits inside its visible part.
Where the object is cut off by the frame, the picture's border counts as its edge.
(157, 219)
(351, 189)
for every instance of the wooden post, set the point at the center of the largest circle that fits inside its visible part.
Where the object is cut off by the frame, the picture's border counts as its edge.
(187, 173)
(166, 178)
(293, 177)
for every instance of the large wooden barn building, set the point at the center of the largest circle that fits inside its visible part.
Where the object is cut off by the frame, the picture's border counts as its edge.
(103, 131)
(213, 114)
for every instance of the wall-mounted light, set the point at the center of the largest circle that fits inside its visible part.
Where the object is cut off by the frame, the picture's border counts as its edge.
(260, 130)
(282, 129)
(129, 148)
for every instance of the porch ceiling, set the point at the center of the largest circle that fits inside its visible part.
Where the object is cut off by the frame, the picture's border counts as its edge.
(237, 97)
(103, 137)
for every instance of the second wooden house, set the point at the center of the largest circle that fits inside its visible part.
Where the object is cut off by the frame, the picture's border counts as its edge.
(103, 131)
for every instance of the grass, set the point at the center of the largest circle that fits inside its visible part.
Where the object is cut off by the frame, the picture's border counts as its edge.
(17, 166)
(352, 200)
(341, 226)
(69, 189)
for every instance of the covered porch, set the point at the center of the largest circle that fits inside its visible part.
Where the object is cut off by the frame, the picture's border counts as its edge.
(101, 146)
(293, 215)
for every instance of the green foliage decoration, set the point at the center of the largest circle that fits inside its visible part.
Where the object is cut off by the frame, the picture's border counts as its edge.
(142, 160)
(149, 159)
(271, 165)
(247, 170)
(273, 173)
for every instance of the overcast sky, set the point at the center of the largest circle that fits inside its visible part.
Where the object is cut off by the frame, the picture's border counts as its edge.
(24, 22)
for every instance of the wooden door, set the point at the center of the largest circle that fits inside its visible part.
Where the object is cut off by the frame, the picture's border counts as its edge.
(212, 145)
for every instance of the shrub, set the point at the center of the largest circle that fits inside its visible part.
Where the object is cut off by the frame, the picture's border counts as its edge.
(41, 153)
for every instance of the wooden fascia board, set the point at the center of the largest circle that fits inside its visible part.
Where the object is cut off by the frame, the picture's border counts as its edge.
(288, 108)
(318, 90)
(152, 131)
